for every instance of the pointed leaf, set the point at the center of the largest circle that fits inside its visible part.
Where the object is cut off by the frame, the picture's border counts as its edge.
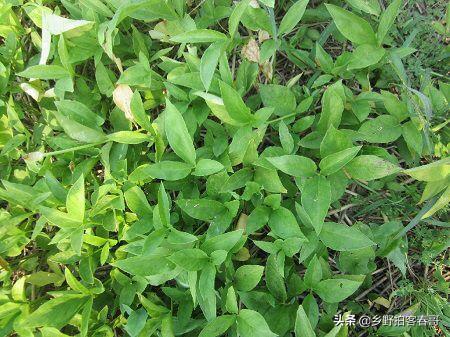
(177, 134)
(352, 26)
(75, 202)
(292, 17)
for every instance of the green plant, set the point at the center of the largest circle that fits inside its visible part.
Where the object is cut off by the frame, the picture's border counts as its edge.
(187, 168)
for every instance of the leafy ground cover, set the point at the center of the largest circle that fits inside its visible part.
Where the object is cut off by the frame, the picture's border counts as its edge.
(237, 168)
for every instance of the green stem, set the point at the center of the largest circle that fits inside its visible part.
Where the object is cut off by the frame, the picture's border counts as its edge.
(439, 75)
(282, 117)
(76, 148)
(275, 34)
(273, 22)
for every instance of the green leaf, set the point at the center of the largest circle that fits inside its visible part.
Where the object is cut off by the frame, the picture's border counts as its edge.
(18, 290)
(370, 167)
(442, 202)
(334, 332)
(129, 137)
(337, 289)
(51, 332)
(74, 283)
(313, 273)
(274, 280)
(435, 171)
(136, 322)
(316, 199)
(163, 206)
(323, 59)
(394, 106)
(387, 19)
(206, 292)
(137, 202)
(154, 265)
(412, 136)
(138, 112)
(217, 107)
(44, 72)
(242, 148)
(398, 67)
(225, 241)
(231, 301)
(217, 258)
(322, 80)
(279, 97)
(303, 326)
(79, 112)
(190, 259)
(291, 246)
(383, 129)
(234, 104)
(432, 188)
(292, 17)
(139, 75)
(235, 17)
(58, 218)
(177, 134)
(353, 27)
(166, 170)
(78, 131)
(206, 167)
(294, 165)
(42, 278)
(224, 69)
(199, 36)
(369, 6)
(283, 223)
(334, 141)
(257, 219)
(247, 277)
(287, 142)
(269, 180)
(202, 209)
(332, 109)
(56, 312)
(341, 237)
(75, 202)
(311, 308)
(104, 83)
(252, 324)
(334, 162)
(208, 63)
(365, 55)
(218, 326)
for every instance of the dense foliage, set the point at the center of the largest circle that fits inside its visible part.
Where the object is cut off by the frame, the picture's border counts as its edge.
(205, 168)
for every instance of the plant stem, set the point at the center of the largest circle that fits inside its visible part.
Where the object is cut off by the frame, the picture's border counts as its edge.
(76, 148)
(282, 117)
